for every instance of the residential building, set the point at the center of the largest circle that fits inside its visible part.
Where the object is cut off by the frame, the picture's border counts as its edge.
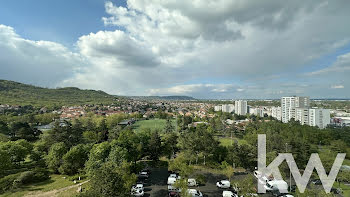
(288, 105)
(302, 115)
(276, 112)
(241, 107)
(319, 117)
(217, 108)
(228, 108)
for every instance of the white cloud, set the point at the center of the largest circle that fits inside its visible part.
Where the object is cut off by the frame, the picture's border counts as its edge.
(36, 62)
(158, 46)
(337, 87)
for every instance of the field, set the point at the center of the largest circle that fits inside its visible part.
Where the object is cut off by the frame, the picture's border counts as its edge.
(56, 186)
(153, 124)
(226, 141)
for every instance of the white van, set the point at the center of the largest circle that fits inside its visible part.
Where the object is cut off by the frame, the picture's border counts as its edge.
(224, 184)
(280, 185)
(194, 193)
(191, 182)
(172, 179)
(229, 194)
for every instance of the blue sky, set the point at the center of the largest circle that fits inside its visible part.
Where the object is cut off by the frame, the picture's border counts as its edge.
(226, 49)
(59, 21)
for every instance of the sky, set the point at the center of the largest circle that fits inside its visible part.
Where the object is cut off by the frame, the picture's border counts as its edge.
(209, 49)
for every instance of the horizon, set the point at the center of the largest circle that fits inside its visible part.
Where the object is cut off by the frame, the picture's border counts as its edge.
(218, 51)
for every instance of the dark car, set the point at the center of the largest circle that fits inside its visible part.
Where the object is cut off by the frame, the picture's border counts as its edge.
(316, 182)
(174, 194)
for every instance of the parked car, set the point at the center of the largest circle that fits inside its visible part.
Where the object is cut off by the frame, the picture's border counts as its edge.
(224, 184)
(336, 190)
(143, 174)
(317, 182)
(174, 194)
(172, 179)
(172, 188)
(194, 193)
(138, 186)
(137, 192)
(257, 174)
(191, 182)
(277, 185)
(229, 194)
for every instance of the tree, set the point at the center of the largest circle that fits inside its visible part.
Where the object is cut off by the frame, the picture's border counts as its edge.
(97, 156)
(5, 161)
(111, 180)
(55, 155)
(169, 127)
(18, 150)
(169, 146)
(155, 146)
(3, 128)
(90, 137)
(74, 159)
(22, 130)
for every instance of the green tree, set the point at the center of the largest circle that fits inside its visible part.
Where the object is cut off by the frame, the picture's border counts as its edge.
(111, 180)
(74, 159)
(97, 156)
(55, 155)
(169, 127)
(155, 146)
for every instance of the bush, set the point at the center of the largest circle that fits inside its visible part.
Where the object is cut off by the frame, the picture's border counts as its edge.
(6, 183)
(76, 177)
(200, 179)
(37, 175)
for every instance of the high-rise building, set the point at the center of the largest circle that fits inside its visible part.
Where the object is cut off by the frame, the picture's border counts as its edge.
(276, 112)
(241, 107)
(217, 108)
(288, 105)
(228, 108)
(302, 115)
(319, 117)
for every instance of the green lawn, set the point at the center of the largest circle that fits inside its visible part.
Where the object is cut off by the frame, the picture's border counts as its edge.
(56, 182)
(152, 124)
(227, 141)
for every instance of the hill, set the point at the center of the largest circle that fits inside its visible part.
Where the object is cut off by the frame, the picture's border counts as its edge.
(15, 93)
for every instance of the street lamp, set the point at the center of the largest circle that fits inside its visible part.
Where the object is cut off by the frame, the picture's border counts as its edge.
(290, 172)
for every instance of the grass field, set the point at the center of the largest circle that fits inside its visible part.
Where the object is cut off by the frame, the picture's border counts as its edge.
(227, 141)
(151, 124)
(56, 182)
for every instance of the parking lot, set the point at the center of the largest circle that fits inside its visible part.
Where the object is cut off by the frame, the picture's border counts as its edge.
(156, 184)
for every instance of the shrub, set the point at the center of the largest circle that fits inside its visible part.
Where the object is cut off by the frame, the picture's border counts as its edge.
(6, 183)
(37, 175)
(76, 177)
(200, 179)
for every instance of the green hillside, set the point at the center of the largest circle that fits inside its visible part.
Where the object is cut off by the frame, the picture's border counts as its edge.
(15, 93)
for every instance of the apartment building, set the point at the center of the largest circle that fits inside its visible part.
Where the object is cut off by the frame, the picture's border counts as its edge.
(241, 107)
(289, 105)
(276, 112)
(319, 117)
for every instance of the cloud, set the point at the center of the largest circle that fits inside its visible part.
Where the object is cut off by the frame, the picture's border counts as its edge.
(224, 48)
(36, 62)
(117, 48)
(337, 87)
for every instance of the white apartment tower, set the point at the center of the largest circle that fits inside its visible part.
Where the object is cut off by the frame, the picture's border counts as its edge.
(276, 112)
(302, 115)
(241, 107)
(228, 108)
(289, 105)
(319, 117)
